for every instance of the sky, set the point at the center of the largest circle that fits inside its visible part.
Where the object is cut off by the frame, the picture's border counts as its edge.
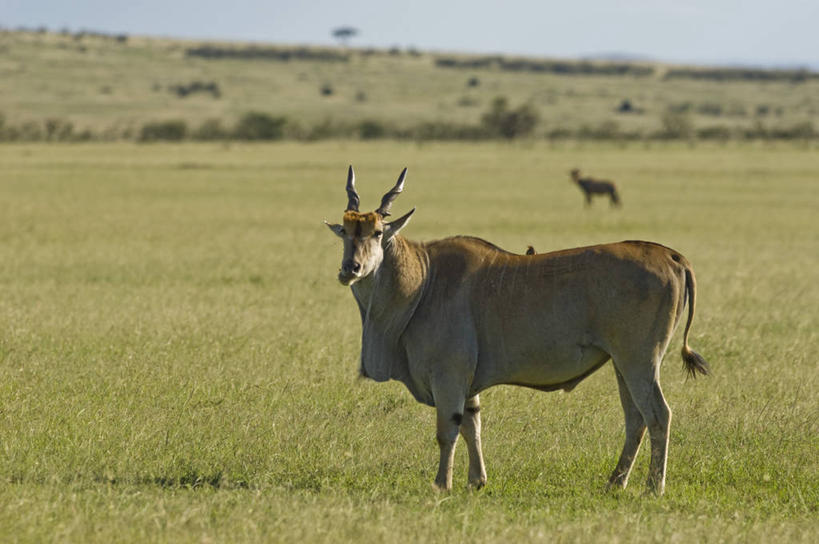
(749, 32)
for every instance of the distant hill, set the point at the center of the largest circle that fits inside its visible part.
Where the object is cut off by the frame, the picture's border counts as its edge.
(72, 85)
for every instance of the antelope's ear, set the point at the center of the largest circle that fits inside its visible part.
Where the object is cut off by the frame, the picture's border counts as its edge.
(392, 228)
(338, 230)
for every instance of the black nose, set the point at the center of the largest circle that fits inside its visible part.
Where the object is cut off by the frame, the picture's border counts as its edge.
(350, 266)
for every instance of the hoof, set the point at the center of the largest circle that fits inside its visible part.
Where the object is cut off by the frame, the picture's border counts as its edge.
(616, 483)
(441, 488)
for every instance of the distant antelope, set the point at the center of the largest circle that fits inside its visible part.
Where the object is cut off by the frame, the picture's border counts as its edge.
(591, 186)
(453, 317)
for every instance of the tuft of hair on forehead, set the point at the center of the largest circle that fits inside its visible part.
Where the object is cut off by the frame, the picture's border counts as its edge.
(361, 224)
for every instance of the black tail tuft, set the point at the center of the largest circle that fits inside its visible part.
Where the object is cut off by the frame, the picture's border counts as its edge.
(694, 362)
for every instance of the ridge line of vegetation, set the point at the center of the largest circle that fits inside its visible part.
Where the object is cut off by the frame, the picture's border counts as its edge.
(569, 67)
(267, 53)
(91, 86)
(626, 68)
(499, 123)
(558, 67)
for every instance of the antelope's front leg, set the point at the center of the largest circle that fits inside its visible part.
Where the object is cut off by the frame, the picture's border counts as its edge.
(471, 431)
(447, 434)
(449, 415)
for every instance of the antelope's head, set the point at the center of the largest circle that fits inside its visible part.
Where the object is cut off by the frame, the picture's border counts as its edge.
(574, 174)
(365, 235)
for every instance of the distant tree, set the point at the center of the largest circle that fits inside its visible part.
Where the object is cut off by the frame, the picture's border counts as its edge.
(344, 33)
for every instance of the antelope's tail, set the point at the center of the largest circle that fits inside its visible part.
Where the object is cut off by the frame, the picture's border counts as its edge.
(693, 361)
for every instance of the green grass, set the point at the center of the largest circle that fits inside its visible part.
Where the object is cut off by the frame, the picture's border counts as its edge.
(178, 362)
(113, 89)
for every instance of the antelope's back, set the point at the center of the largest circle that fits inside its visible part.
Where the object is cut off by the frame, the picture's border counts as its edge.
(523, 307)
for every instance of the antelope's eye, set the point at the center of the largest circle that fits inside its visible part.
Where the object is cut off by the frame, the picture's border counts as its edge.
(377, 234)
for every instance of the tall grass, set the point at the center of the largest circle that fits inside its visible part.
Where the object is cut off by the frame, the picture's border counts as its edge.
(178, 362)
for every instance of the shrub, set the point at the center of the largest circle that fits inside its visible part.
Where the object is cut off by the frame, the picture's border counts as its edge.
(756, 130)
(448, 131)
(501, 121)
(371, 129)
(799, 131)
(326, 90)
(8, 133)
(676, 125)
(628, 107)
(210, 87)
(559, 133)
(607, 130)
(211, 129)
(83, 136)
(717, 132)
(625, 106)
(736, 110)
(259, 126)
(58, 129)
(467, 101)
(682, 107)
(710, 108)
(174, 130)
(324, 129)
(30, 131)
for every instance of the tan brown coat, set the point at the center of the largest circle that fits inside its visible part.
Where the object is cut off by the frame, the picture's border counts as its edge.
(453, 317)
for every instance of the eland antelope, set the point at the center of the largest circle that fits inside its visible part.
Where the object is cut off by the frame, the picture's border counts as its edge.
(591, 186)
(453, 317)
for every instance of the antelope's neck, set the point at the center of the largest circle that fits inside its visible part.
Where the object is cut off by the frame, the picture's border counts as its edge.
(398, 281)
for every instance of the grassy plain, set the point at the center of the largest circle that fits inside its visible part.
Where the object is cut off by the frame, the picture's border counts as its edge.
(114, 88)
(178, 362)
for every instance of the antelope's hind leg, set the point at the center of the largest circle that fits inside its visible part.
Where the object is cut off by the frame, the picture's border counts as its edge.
(644, 386)
(635, 429)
